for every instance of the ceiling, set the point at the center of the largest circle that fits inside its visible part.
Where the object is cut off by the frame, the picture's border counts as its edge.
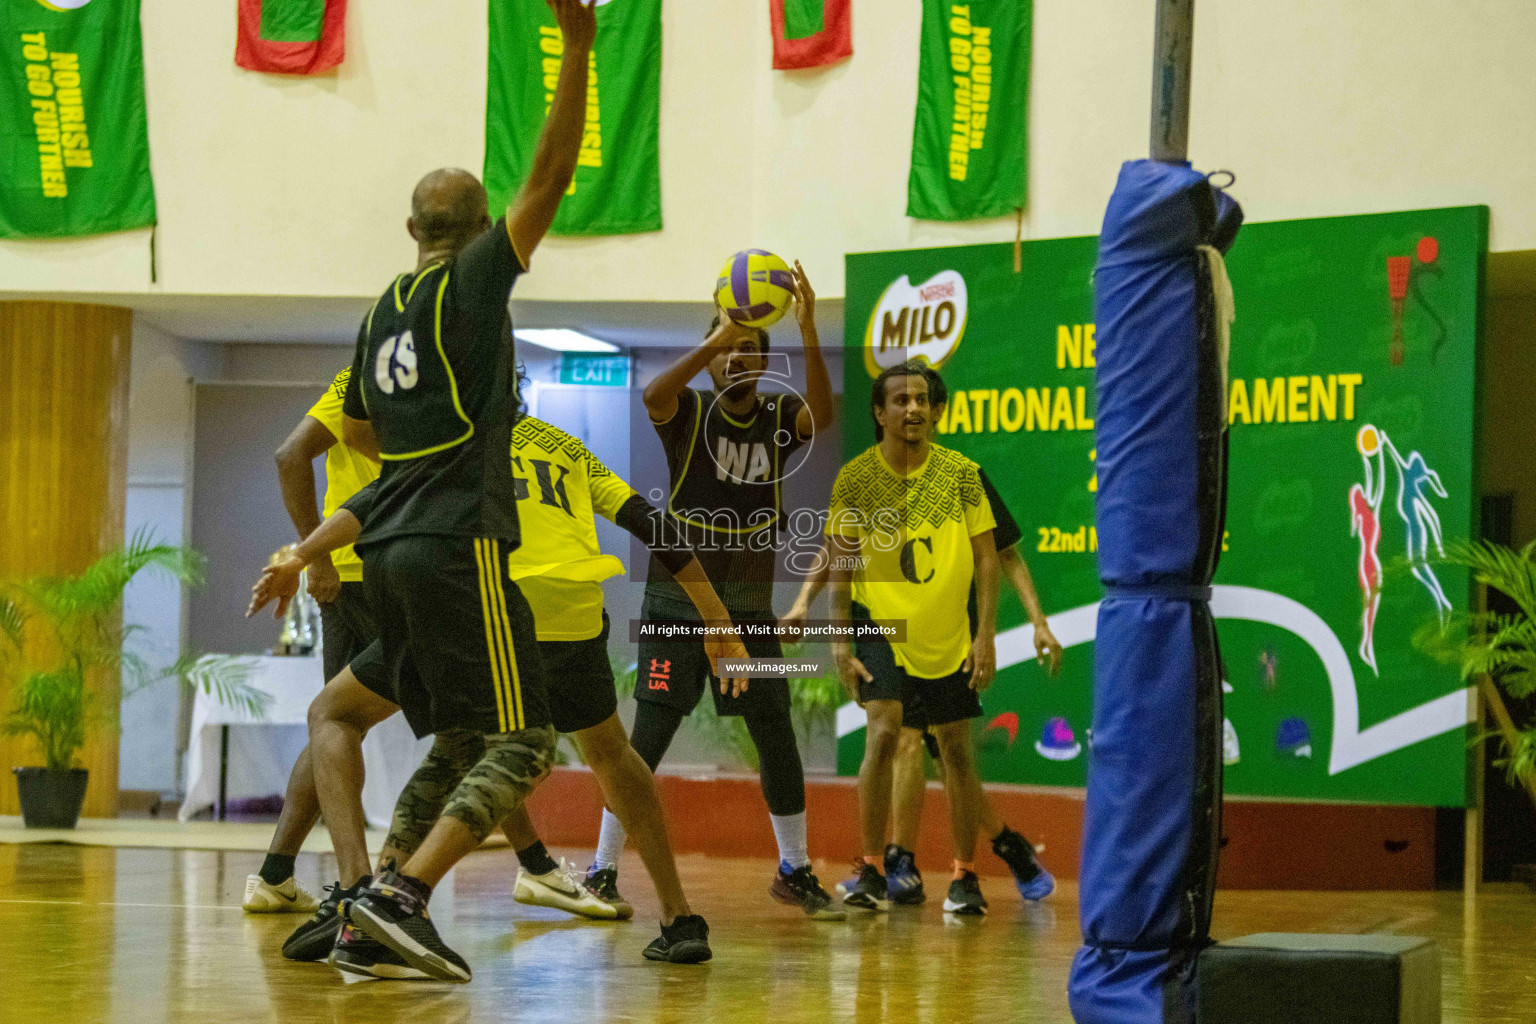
(316, 319)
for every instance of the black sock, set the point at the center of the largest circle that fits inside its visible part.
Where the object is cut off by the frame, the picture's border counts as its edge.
(536, 860)
(277, 868)
(423, 890)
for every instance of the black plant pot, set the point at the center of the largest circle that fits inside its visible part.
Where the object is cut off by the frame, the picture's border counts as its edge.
(51, 799)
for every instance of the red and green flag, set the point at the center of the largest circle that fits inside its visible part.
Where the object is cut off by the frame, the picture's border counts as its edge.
(810, 33)
(74, 140)
(968, 143)
(617, 186)
(291, 37)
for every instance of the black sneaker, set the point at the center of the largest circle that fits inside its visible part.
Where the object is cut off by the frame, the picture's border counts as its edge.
(394, 912)
(312, 940)
(800, 888)
(866, 891)
(1032, 880)
(965, 896)
(362, 957)
(903, 882)
(604, 884)
(684, 941)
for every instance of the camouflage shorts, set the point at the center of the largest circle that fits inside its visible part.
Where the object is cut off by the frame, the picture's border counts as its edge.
(475, 778)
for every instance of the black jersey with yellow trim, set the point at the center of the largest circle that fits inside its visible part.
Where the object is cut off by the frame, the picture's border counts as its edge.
(725, 493)
(435, 373)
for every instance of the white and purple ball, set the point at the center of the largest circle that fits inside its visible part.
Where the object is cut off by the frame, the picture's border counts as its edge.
(755, 288)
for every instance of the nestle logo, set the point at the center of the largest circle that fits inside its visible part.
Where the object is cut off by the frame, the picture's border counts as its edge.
(937, 291)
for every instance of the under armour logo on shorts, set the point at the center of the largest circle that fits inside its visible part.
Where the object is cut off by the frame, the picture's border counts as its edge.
(661, 671)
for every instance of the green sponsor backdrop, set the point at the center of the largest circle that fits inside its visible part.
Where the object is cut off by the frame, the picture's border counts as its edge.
(76, 153)
(617, 186)
(1341, 323)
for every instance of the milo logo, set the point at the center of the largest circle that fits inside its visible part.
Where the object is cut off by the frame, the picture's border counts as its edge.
(63, 5)
(916, 321)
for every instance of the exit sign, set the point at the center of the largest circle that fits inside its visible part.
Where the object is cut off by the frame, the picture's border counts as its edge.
(599, 371)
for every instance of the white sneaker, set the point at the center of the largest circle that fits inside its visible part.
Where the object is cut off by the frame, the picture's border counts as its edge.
(287, 897)
(561, 889)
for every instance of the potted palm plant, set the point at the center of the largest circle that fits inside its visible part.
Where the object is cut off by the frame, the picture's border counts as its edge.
(1496, 650)
(56, 634)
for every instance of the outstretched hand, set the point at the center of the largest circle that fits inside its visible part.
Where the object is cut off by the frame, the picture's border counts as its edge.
(577, 21)
(805, 299)
(279, 581)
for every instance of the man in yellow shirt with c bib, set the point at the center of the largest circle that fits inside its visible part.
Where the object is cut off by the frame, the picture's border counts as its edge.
(914, 518)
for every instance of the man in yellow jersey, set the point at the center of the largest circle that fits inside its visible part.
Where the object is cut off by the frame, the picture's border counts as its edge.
(336, 582)
(904, 883)
(560, 486)
(914, 515)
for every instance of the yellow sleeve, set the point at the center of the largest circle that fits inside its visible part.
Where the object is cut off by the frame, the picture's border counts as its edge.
(974, 504)
(608, 491)
(845, 518)
(328, 409)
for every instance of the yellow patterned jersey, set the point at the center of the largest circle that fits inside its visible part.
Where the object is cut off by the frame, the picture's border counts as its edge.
(346, 471)
(560, 486)
(914, 533)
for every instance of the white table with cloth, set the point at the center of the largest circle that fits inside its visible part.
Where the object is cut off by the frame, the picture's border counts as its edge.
(262, 751)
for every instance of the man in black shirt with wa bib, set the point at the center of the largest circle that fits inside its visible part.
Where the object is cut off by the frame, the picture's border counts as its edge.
(433, 394)
(727, 452)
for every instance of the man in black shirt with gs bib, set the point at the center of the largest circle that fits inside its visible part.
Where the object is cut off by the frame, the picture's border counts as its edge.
(433, 394)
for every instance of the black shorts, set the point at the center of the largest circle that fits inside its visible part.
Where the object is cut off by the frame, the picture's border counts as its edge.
(581, 690)
(924, 702)
(369, 668)
(457, 635)
(346, 627)
(676, 672)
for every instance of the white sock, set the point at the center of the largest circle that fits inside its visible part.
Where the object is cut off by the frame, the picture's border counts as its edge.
(610, 842)
(789, 830)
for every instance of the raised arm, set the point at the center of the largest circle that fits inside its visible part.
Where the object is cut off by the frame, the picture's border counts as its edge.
(817, 413)
(660, 395)
(554, 161)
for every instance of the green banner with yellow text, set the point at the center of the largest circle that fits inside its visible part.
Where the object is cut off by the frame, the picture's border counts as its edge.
(1351, 397)
(76, 156)
(617, 186)
(968, 142)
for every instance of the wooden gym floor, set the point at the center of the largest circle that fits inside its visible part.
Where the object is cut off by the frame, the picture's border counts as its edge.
(90, 934)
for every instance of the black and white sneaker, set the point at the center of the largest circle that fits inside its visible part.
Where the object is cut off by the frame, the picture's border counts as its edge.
(359, 956)
(965, 896)
(800, 888)
(684, 941)
(394, 912)
(312, 940)
(604, 884)
(866, 890)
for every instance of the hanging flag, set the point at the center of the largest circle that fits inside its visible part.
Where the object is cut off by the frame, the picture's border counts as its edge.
(617, 186)
(291, 37)
(72, 117)
(810, 33)
(968, 145)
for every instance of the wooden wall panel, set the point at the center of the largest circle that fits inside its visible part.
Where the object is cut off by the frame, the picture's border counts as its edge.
(63, 477)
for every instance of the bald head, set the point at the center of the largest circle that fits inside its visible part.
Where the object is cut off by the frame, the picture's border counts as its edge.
(448, 208)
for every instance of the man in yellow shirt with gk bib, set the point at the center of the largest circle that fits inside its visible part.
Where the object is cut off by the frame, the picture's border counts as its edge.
(336, 583)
